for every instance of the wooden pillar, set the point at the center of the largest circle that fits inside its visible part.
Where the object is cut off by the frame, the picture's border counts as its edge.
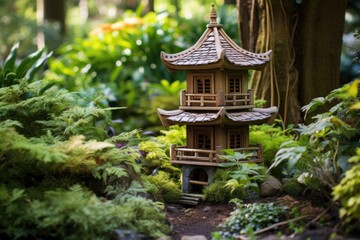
(172, 152)
(220, 98)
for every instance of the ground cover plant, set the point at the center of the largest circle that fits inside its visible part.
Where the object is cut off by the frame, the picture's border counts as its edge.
(62, 177)
(248, 218)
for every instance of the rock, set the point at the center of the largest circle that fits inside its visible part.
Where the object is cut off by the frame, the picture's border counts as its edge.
(194, 237)
(172, 209)
(270, 187)
(207, 209)
(165, 238)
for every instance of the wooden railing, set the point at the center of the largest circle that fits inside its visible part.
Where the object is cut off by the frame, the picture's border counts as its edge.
(211, 156)
(216, 100)
(184, 154)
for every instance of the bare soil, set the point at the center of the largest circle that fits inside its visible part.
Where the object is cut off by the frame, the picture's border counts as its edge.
(203, 219)
(196, 220)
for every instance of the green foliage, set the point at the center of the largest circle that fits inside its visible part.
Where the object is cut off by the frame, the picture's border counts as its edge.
(319, 157)
(270, 138)
(293, 188)
(232, 182)
(74, 213)
(10, 74)
(120, 61)
(248, 218)
(216, 193)
(242, 175)
(57, 168)
(155, 151)
(163, 187)
(347, 192)
(163, 95)
(18, 23)
(174, 135)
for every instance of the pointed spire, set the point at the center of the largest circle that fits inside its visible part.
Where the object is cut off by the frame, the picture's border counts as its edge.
(213, 14)
(213, 18)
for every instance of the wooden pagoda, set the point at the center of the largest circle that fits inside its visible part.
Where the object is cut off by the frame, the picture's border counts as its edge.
(217, 107)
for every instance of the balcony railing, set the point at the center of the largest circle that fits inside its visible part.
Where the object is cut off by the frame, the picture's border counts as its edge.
(219, 99)
(191, 156)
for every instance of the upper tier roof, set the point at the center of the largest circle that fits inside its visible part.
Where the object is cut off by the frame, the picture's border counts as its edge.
(215, 49)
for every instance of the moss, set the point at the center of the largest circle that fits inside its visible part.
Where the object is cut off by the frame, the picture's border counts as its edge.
(163, 187)
(218, 193)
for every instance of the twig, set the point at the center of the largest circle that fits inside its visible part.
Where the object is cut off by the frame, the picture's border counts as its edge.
(279, 224)
(321, 214)
(243, 237)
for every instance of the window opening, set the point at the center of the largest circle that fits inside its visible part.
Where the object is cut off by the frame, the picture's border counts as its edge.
(203, 84)
(234, 84)
(237, 139)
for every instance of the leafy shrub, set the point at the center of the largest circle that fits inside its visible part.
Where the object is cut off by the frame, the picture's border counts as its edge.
(58, 167)
(270, 138)
(242, 175)
(248, 218)
(293, 188)
(216, 193)
(319, 157)
(164, 187)
(347, 192)
(69, 214)
(174, 135)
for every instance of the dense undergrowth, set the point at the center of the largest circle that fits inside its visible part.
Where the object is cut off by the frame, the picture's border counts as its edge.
(62, 177)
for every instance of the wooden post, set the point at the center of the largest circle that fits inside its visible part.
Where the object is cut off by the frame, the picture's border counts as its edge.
(182, 97)
(218, 152)
(172, 152)
(251, 95)
(220, 101)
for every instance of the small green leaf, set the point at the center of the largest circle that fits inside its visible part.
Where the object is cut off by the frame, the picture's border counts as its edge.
(354, 88)
(10, 60)
(27, 63)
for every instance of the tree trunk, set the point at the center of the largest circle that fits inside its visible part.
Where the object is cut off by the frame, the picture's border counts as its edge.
(306, 43)
(230, 2)
(56, 11)
(319, 40)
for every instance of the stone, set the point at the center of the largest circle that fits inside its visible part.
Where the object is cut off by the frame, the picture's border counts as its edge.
(165, 238)
(172, 209)
(193, 237)
(207, 209)
(270, 187)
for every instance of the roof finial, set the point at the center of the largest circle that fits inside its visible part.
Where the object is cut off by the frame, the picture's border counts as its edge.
(213, 14)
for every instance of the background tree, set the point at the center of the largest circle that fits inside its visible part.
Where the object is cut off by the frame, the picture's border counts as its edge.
(306, 38)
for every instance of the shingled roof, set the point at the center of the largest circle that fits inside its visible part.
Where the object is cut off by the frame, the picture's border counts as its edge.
(180, 117)
(215, 49)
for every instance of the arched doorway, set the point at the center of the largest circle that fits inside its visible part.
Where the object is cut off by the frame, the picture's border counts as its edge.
(198, 179)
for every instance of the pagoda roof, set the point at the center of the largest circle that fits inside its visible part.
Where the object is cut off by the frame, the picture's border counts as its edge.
(181, 117)
(215, 49)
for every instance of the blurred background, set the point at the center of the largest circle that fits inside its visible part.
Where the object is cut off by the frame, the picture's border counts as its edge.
(108, 50)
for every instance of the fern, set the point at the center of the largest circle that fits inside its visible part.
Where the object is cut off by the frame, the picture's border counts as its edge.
(54, 159)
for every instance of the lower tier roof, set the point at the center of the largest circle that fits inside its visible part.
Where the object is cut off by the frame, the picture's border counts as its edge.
(221, 117)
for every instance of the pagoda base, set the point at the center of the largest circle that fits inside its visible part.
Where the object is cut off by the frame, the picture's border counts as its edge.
(195, 178)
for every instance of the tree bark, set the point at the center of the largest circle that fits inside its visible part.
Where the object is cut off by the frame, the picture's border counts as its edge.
(306, 43)
(56, 11)
(319, 40)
